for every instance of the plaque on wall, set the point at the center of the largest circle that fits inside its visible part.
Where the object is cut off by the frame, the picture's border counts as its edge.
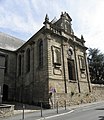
(57, 71)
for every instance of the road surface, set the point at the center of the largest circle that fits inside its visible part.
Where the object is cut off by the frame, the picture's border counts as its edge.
(91, 111)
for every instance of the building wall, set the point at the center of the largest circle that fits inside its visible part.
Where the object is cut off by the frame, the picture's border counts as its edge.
(34, 83)
(30, 77)
(10, 73)
(73, 98)
(7, 75)
(56, 74)
(2, 65)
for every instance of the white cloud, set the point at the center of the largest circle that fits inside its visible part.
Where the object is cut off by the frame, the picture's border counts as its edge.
(27, 16)
(89, 22)
(17, 22)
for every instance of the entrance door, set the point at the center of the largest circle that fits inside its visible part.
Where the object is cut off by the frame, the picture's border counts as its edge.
(5, 92)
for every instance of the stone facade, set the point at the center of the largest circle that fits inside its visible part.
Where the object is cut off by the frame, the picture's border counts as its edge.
(9, 74)
(6, 110)
(73, 98)
(2, 67)
(53, 60)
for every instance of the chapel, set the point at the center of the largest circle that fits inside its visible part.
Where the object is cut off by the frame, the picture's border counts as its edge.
(53, 60)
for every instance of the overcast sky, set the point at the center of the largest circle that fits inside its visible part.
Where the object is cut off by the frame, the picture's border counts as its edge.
(23, 18)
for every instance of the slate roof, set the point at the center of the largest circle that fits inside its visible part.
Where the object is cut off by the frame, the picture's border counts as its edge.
(10, 43)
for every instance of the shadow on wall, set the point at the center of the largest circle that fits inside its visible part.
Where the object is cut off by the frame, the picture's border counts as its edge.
(19, 106)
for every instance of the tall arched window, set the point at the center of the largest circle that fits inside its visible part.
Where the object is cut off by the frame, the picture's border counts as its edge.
(28, 60)
(19, 65)
(40, 53)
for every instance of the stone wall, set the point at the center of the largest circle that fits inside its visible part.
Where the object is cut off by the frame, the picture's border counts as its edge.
(72, 98)
(6, 110)
(2, 66)
(98, 92)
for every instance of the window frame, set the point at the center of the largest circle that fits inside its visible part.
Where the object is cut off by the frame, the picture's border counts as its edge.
(28, 60)
(40, 53)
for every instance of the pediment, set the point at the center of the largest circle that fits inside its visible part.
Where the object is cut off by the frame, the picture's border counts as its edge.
(66, 16)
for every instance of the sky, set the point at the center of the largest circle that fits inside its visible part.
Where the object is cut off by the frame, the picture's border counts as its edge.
(23, 18)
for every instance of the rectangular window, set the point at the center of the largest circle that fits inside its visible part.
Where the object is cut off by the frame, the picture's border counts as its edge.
(71, 69)
(81, 63)
(56, 54)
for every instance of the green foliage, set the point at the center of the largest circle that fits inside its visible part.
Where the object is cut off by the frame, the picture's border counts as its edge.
(96, 65)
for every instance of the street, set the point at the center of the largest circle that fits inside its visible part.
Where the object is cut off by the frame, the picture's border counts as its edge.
(92, 111)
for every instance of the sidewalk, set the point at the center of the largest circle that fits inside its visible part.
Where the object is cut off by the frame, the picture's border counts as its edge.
(85, 105)
(32, 112)
(36, 114)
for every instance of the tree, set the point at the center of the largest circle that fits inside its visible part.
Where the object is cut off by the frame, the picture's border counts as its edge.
(96, 65)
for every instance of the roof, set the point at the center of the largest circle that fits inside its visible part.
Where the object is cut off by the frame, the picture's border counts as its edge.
(9, 42)
(2, 54)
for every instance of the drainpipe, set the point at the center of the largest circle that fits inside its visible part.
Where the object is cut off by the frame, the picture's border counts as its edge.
(88, 79)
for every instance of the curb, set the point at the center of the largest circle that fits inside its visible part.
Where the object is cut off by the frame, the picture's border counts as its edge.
(84, 105)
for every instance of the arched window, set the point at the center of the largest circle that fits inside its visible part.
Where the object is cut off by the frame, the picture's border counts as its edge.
(28, 60)
(40, 53)
(19, 65)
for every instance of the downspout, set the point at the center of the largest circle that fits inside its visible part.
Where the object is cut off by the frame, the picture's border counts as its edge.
(88, 79)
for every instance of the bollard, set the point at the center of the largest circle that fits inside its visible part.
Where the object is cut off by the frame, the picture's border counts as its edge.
(23, 115)
(65, 104)
(41, 110)
(57, 107)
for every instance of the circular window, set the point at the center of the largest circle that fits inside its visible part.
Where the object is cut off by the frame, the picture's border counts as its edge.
(70, 52)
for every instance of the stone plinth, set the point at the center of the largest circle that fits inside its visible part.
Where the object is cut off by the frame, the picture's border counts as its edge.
(6, 110)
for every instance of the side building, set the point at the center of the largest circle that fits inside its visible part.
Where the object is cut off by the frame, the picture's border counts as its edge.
(52, 60)
(8, 46)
